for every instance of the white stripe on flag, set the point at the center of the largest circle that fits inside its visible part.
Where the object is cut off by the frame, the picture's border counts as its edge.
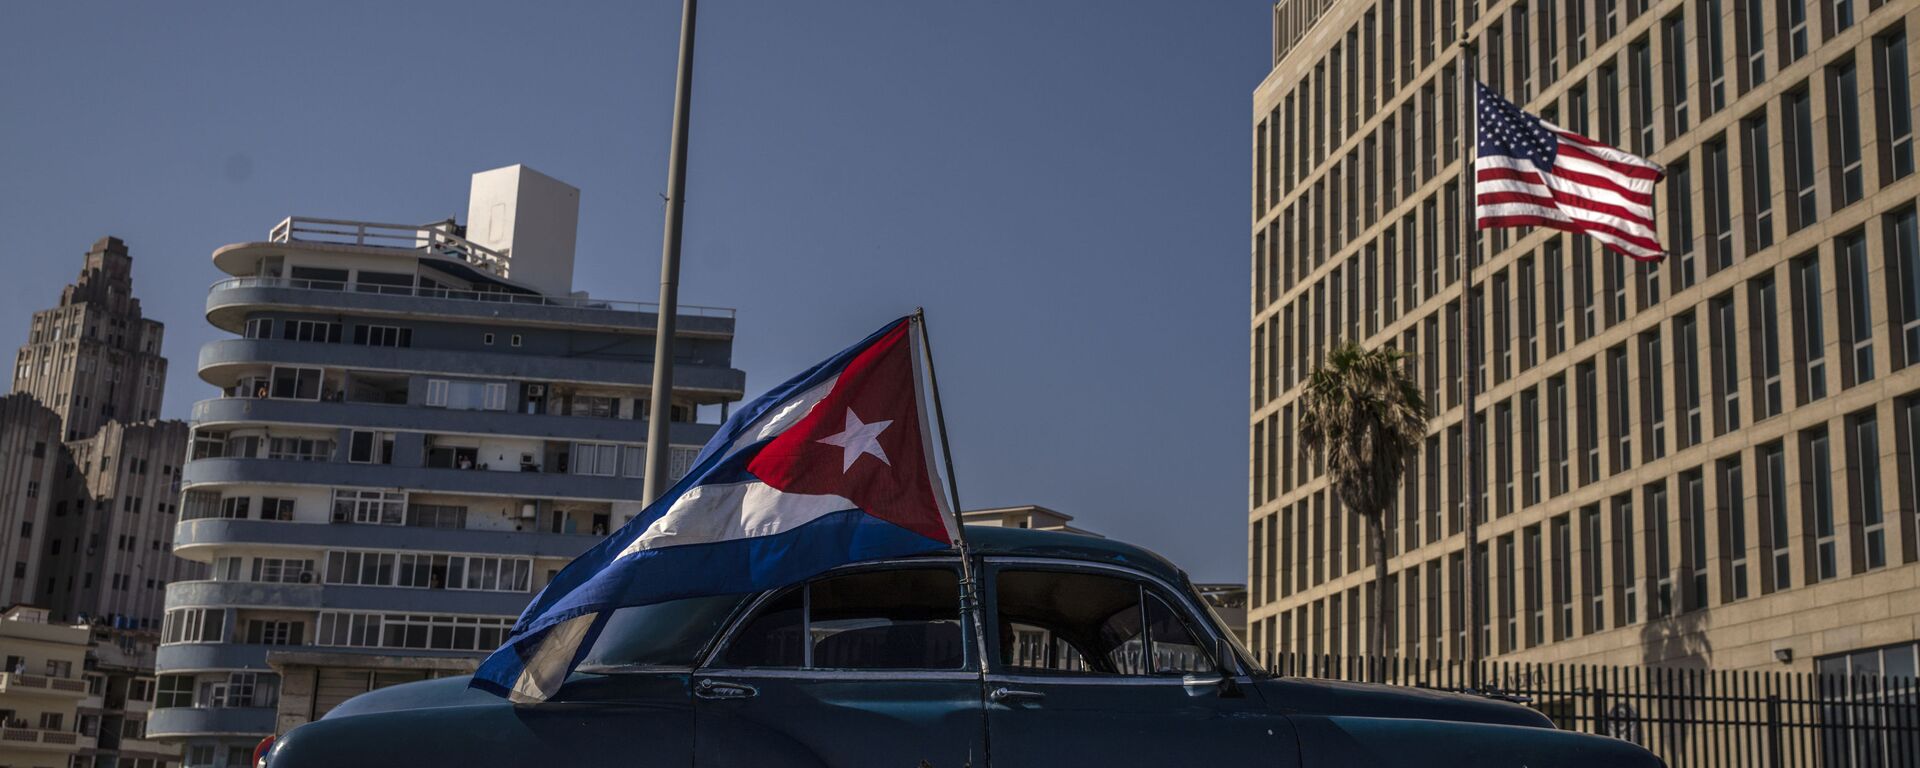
(731, 511)
(777, 421)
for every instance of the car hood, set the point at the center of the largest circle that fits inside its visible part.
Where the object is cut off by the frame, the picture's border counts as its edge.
(425, 694)
(1341, 699)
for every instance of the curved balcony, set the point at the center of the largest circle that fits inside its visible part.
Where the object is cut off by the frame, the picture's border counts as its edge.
(214, 532)
(183, 722)
(214, 657)
(419, 479)
(247, 594)
(219, 357)
(404, 418)
(229, 301)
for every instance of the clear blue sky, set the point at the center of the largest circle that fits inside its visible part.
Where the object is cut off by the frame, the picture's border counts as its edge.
(1061, 184)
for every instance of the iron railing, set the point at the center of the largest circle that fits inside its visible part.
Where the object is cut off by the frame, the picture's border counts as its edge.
(1687, 716)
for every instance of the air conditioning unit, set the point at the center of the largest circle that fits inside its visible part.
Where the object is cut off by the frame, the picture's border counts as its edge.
(536, 390)
(527, 511)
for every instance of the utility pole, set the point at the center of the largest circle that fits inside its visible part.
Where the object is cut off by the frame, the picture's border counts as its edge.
(660, 397)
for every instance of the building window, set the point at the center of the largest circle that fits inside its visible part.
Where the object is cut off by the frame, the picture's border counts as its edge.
(1802, 200)
(1754, 150)
(1530, 445)
(1674, 44)
(1764, 333)
(1619, 405)
(1810, 344)
(1719, 206)
(487, 339)
(1556, 299)
(1653, 393)
(1903, 240)
(310, 330)
(1793, 17)
(1625, 558)
(370, 447)
(1680, 224)
(1536, 607)
(1895, 104)
(411, 631)
(1590, 557)
(193, 625)
(1693, 532)
(599, 459)
(1509, 611)
(1557, 434)
(296, 383)
(1818, 487)
(299, 449)
(260, 328)
(1726, 364)
(1856, 305)
(1753, 43)
(1528, 315)
(1733, 530)
(235, 508)
(368, 507)
(1712, 50)
(276, 509)
(1843, 83)
(265, 632)
(1863, 480)
(1640, 69)
(1589, 409)
(383, 336)
(177, 691)
(1563, 578)
(1771, 459)
(514, 340)
(1660, 530)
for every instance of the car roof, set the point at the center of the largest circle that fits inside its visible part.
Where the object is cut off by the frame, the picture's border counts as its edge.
(992, 540)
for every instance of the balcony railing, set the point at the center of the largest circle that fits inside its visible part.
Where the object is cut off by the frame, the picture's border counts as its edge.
(21, 737)
(491, 297)
(14, 682)
(437, 238)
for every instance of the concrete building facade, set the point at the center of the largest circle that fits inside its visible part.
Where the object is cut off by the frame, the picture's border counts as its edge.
(1709, 461)
(416, 428)
(41, 689)
(93, 525)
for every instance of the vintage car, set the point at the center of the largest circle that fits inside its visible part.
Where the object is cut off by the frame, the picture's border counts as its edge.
(1099, 653)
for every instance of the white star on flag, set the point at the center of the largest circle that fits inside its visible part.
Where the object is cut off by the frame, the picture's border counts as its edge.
(859, 438)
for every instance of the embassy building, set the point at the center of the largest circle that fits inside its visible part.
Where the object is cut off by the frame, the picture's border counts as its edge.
(1708, 461)
(415, 429)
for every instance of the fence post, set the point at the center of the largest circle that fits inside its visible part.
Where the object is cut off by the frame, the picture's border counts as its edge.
(1600, 725)
(1773, 730)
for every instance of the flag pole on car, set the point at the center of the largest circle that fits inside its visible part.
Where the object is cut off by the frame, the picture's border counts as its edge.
(969, 586)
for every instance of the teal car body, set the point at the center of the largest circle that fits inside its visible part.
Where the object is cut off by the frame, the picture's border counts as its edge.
(1101, 653)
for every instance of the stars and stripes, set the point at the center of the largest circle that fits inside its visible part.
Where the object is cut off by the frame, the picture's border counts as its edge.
(1530, 172)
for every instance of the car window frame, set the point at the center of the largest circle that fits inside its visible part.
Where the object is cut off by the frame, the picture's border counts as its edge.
(709, 661)
(1176, 599)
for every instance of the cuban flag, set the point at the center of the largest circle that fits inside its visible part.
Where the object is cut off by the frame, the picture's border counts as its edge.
(832, 467)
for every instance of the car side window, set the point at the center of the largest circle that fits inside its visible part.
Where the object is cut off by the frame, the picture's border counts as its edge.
(1088, 623)
(907, 618)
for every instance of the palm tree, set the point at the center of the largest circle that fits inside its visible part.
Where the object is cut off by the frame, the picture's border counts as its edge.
(1364, 413)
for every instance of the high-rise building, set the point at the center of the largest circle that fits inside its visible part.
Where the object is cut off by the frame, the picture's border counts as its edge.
(94, 359)
(1705, 461)
(415, 429)
(99, 514)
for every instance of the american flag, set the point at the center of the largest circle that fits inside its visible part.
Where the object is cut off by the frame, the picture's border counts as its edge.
(1530, 172)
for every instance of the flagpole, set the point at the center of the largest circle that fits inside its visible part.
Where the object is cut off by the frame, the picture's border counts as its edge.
(1469, 123)
(660, 396)
(969, 587)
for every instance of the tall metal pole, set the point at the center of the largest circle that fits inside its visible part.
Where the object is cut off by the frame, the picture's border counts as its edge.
(661, 395)
(1469, 117)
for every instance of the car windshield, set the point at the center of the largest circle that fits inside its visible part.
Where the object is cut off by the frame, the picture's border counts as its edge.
(663, 634)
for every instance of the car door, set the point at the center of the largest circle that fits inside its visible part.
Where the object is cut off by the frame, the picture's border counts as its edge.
(1097, 665)
(871, 666)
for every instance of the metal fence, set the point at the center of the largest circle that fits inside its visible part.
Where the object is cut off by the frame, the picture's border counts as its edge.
(1689, 717)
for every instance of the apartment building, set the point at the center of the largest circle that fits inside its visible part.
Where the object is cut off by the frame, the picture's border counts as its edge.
(1706, 461)
(415, 428)
(40, 689)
